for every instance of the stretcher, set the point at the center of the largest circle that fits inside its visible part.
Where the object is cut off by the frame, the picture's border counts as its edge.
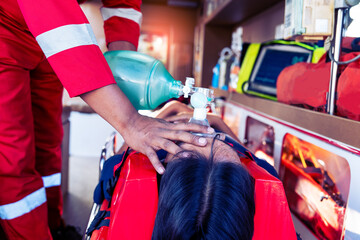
(132, 210)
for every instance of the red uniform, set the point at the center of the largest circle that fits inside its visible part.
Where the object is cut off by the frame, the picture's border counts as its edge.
(38, 38)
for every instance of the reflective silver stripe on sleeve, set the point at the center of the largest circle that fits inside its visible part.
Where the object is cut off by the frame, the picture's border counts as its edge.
(53, 180)
(66, 37)
(23, 206)
(128, 13)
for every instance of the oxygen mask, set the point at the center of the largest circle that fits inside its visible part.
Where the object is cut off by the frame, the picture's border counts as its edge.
(200, 99)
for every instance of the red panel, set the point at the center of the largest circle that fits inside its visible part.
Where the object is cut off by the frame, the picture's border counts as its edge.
(100, 234)
(272, 214)
(134, 203)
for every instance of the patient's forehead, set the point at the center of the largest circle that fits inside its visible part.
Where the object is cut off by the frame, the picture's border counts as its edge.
(221, 151)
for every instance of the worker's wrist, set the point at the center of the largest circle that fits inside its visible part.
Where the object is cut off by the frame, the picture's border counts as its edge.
(121, 45)
(129, 125)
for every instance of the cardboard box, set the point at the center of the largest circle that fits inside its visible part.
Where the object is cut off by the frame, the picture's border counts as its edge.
(308, 20)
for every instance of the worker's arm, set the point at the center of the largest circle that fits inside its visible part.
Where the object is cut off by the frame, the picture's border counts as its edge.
(68, 42)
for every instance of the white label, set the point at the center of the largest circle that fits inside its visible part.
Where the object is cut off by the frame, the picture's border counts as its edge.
(321, 25)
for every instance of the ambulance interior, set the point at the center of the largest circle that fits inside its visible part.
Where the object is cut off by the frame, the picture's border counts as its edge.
(315, 152)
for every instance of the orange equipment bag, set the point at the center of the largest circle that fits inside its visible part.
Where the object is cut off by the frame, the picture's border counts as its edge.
(133, 205)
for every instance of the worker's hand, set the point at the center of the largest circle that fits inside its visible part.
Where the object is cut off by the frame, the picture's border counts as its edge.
(147, 135)
(214, 120)
(144, 134)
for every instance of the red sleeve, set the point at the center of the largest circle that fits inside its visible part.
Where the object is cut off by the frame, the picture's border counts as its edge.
(122, 19)
(67, 40)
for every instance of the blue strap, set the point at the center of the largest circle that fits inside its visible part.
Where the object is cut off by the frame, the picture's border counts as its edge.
(104, 188)
(98, 222)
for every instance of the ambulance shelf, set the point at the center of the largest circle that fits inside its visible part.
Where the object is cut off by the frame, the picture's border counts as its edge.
(230, 12)
(336, 128)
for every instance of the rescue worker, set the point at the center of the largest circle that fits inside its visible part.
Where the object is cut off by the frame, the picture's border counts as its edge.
(42, 42)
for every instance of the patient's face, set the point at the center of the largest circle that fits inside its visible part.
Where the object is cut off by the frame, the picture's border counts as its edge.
(221, 151)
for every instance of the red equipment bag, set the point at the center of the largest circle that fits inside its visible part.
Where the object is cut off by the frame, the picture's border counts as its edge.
(306, 84)
(134, 203)
(348, 90)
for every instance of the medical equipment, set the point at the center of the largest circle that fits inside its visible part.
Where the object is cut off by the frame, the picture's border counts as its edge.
(145, 80)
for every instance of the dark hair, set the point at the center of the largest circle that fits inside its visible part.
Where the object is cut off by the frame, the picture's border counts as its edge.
(202, 199)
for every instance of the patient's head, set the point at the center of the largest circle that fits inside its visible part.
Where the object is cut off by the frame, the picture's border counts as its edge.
(205, 198)
(215, 150)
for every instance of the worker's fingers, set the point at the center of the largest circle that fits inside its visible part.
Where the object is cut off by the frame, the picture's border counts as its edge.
(147, 135)
(181, 132)
(182, 136)
(192, 127)
(151, 154)
(169, 146)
